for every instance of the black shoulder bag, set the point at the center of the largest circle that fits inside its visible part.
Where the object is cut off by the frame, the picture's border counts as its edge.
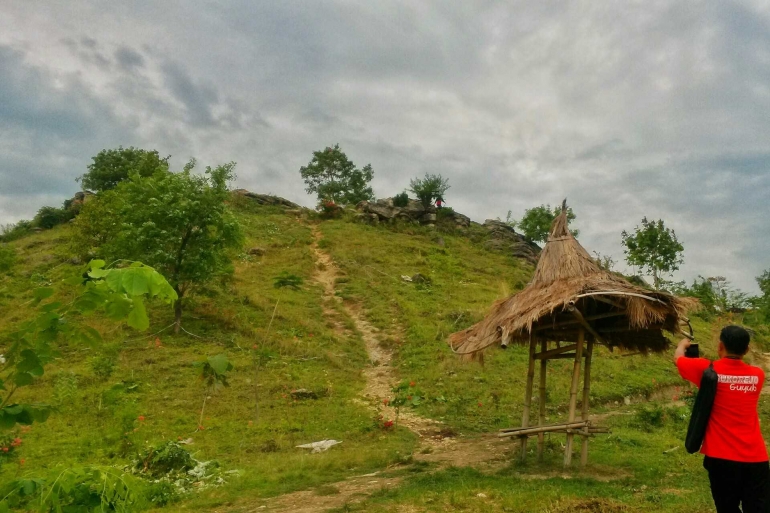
(701, 410)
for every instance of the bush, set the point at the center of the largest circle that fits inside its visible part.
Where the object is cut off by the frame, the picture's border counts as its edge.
(401, 200)
(13, 231)
(48, 217)
(7, 258)
(166, 458)
(103, 366)
(429, 188)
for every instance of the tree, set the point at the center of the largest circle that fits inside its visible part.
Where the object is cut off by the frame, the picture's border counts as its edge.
(654, 248)
(429, 188)
(110, 167)
(178, 223)
(332, 176)
(537, 221)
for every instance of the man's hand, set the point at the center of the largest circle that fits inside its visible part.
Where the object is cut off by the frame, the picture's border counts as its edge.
(681, 348)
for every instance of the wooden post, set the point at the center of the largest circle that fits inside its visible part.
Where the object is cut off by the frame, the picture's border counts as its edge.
(541, 418)
(528, 394)
(586, 392)
(573, 395)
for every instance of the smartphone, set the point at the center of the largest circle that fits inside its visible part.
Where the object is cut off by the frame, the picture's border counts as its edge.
(692, 351)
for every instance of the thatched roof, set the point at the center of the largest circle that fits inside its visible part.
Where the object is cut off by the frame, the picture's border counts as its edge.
(623, 314)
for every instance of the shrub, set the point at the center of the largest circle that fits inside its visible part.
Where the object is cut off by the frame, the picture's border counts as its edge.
(13, 231)
(166, 458)
(103, 366)
(429, 188)
(401, 200)
(286, 279)
(48, 217)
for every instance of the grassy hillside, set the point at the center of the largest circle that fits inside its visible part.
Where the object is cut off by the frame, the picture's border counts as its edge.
(140, 390)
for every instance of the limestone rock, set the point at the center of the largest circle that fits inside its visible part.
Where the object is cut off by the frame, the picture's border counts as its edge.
(266, 199)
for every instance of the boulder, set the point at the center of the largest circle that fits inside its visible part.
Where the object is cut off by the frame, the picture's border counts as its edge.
(503, 237)
(386, 211)
(267, 199)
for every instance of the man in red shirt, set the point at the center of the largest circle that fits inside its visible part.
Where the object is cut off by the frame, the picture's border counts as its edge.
(735, 453)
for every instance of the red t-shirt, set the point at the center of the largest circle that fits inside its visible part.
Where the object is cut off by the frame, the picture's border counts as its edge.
(733, 429)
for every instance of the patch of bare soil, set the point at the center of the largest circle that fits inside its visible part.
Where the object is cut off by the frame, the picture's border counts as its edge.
(350, 491)
(588, 506)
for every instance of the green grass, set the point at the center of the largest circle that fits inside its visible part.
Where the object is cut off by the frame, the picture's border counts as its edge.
(97, 422)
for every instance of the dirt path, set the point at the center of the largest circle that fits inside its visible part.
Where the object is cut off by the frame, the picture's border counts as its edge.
(438, 445)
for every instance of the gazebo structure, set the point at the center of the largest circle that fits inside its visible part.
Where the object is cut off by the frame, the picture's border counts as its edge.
(570, 305)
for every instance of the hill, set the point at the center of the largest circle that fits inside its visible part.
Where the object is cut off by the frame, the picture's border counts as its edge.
(359, 326)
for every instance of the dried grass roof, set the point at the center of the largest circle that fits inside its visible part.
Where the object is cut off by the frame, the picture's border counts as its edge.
(625, 315)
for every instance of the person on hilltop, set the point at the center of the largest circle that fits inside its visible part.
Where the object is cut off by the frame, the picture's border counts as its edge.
(735, 453)
(439, 202)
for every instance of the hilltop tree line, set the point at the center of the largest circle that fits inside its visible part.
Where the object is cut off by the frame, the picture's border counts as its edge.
(179, 222)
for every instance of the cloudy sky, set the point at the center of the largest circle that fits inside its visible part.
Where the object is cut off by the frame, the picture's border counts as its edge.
(628, 109)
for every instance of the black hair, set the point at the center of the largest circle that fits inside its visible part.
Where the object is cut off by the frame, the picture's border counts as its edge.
(735, 339)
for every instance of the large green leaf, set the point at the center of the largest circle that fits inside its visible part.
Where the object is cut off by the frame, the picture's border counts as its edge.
(135, 281)
(42, 293)
(220, 364)
(137, 318)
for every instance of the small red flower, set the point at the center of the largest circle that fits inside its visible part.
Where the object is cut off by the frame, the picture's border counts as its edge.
(5, 449)
(388, 424)
(411, 384)
(675, 398)
(16, 442)
(22, 461)
(480, 405)
(157, 343)
(385, 401)
(409, 398)
(141, 418)
(254, 346)
(310, 335)
(201, 428)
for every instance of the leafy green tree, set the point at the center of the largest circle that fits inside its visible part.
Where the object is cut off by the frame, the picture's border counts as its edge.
(110, 167)
(654, 248)
(177, 222)
(332, 176)
(429, 188)
(537, 221)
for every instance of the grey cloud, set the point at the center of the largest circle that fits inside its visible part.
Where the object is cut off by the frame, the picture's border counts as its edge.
(128, 58)
(656, 109)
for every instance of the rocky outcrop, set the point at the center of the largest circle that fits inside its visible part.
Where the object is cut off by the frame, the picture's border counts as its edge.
(383, 210)
(266, 199)
(503, 237)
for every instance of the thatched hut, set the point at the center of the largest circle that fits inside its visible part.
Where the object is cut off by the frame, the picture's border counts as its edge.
(570, 305)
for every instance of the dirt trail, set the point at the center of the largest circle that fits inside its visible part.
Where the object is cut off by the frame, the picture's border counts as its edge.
(437, 444)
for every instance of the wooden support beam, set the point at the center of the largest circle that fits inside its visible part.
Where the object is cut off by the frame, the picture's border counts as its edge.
(573, 395)
(586, 396)
(616, 304)
(585, 324)
(522, 431)
(544, 355)
(528, 393)
(573, 322)
(563, 356)
(541, 397)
